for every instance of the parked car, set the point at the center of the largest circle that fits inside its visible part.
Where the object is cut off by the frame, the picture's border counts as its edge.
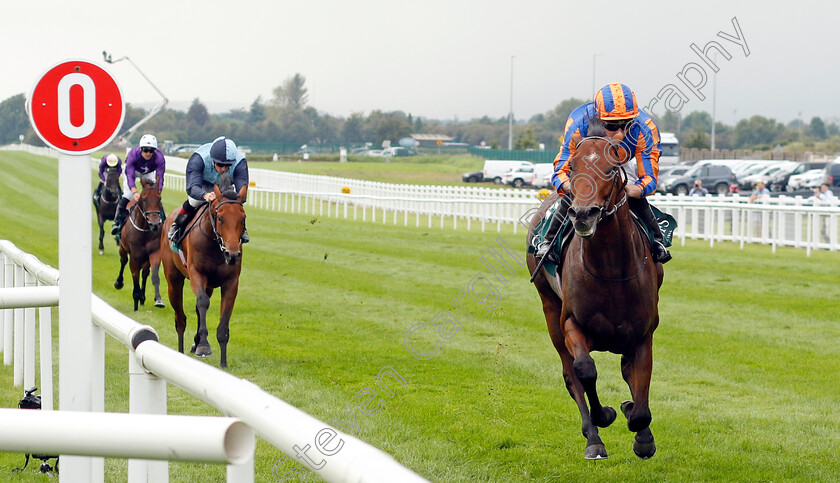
(808, 179)
(543, 173)
(494, 168)
(716, 179)
(668, 173)
(800, 169)
(832, 173)
(474, 177)
(769, 175)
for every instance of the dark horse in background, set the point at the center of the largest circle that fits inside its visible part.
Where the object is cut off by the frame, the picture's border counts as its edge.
(606, 298)
(107, 201)
(140, 244)
(212, 258)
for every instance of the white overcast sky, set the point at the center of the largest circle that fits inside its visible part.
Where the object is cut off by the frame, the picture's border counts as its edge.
(437, 59)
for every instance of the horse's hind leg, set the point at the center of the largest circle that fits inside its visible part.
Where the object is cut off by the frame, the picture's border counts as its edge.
(226, 310)
(143, 284)
(175, 287)
(636, 370)
(156, 281)
(118, 284)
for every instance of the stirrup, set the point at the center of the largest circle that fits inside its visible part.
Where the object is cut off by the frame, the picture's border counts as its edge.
(661, 252)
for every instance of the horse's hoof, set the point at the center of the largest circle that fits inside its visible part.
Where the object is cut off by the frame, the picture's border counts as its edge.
(595, 452)
(626, 407)
(118, 285)
(203, 351)
(192, 349)
(644, 449)
(159, 304)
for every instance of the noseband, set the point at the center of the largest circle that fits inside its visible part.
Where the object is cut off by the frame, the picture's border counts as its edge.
(214, 216)
(618, 177)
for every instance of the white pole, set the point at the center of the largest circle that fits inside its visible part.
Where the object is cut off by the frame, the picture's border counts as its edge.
(510, 113)
(8, 315)
(74, 311)
(120, 435)
(29, 338)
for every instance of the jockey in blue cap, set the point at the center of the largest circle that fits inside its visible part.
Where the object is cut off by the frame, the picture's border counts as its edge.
(203, 170)
(615, 104)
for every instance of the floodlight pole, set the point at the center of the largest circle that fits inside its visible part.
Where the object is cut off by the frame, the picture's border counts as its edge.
(124, 138)
(510, 113)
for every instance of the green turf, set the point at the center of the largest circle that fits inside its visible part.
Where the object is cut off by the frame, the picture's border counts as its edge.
(745, 359)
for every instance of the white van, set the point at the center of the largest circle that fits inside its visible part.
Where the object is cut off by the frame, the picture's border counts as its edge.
(669, 147)
(494, 168)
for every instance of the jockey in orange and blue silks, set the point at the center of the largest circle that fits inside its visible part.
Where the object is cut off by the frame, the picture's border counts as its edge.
(616, 105)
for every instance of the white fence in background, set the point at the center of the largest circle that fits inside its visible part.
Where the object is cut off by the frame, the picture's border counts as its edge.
(27, 285)
(775, 221)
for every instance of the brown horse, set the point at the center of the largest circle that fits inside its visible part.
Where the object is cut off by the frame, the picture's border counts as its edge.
(107, 201)
(140, 243)
(607, 296)
(212, 250)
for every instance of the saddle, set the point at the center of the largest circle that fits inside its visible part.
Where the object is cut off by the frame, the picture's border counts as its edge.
(553, 263)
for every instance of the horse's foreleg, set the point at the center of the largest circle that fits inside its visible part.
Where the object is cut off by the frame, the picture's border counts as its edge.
(101, 234)
(226, 310)
(552, 307)
(583, 367)
(636, 370)
(118, 284)
(202, 303)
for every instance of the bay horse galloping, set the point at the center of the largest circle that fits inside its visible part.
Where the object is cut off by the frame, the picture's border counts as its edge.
(140, 244)
(107, 201)
(607, 294)
(212, 258)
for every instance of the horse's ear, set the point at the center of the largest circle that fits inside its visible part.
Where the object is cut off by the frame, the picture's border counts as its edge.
(576, 138)
(242, 192)
(217, 192)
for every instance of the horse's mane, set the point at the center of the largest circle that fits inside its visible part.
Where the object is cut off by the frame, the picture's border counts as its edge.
(226, 186)
(596, 127)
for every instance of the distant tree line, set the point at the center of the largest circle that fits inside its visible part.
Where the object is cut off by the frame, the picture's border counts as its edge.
(287, 117)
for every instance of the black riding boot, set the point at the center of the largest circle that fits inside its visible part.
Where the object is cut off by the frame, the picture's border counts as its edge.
(556, 222)
(175, 230)
(122, 213)
(97, 193)
(641, 208)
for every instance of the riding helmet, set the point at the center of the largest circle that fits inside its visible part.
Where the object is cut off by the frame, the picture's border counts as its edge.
(112, 160)
(148, 140)
(616, 101)
(223, 151)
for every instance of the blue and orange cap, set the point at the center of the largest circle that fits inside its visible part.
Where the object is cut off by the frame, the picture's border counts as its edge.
(616, 101)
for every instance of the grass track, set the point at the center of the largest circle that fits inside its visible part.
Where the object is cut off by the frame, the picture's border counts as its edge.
(745, 358)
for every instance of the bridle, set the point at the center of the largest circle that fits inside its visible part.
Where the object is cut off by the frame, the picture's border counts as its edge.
(108, 191)
(214, 215)
(145, 214)
(618, 178)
